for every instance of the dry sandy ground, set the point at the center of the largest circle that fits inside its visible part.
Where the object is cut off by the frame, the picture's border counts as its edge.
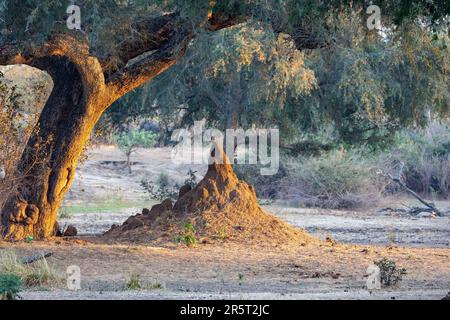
(231, 271)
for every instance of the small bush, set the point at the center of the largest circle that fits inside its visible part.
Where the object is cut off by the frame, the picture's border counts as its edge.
(10, 286)
(390, 275)
(134, 283)
(187, 236)
(163, 189)
(424, 156)
(155, 286)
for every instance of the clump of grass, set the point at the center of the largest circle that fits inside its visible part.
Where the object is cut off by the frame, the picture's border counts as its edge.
(222, 234)
(37, 274)
(336, 180)
(10, 286)
(134, 282)
(390, 274)
(156, 286)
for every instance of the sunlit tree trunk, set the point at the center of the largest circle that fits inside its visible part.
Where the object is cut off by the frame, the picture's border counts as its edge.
(50, 158)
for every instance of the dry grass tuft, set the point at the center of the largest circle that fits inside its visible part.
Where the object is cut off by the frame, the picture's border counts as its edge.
(37, 274)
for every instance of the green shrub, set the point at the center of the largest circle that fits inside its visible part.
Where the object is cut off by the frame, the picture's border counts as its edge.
(163, 189)
(390, 275)
(134, 282)
(346, 178)
(187, 236)
(10, 286)
(338, 179)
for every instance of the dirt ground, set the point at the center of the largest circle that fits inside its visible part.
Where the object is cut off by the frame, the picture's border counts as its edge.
(104, 193)
(232, 271)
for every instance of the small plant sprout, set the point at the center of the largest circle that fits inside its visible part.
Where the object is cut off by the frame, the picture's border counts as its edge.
(187, 236)
(390, 274)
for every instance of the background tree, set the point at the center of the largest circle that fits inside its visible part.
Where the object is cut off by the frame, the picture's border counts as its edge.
(129, 141)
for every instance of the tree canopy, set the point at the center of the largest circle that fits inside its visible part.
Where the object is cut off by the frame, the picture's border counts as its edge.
(298, 65)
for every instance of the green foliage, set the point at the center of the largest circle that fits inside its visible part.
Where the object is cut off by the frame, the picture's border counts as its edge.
(390, 274)
(10, 286)
(338, 179)
(364, 85)
(134, 282)
(345, 178)
(187, 236)
(164, 188)
(241, 75)
(130, 140)
(335, 173)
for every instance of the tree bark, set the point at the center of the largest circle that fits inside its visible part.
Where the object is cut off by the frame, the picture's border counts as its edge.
(50, 158)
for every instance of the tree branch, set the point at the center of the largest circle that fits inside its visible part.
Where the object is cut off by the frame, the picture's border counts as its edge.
(148, 35)
(399, 181)
(173, 37)
(136, 74)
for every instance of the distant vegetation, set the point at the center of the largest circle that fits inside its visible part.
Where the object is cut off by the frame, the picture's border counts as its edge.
(346, 177)
(128, 141)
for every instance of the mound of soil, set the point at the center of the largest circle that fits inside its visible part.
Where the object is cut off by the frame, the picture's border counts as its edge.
(220, 207)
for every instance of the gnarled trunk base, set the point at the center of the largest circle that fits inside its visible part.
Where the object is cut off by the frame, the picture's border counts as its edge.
(47, 166)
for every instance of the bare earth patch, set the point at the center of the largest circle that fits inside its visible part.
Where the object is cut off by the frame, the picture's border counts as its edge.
(230, 270)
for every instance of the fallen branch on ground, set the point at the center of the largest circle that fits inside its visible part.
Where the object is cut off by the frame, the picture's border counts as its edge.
(35, 257)
(430, 206)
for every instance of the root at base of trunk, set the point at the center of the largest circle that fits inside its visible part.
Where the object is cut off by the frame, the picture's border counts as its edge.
(21, 221)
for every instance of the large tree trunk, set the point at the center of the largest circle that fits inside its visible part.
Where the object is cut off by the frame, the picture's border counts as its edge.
(49, 161)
